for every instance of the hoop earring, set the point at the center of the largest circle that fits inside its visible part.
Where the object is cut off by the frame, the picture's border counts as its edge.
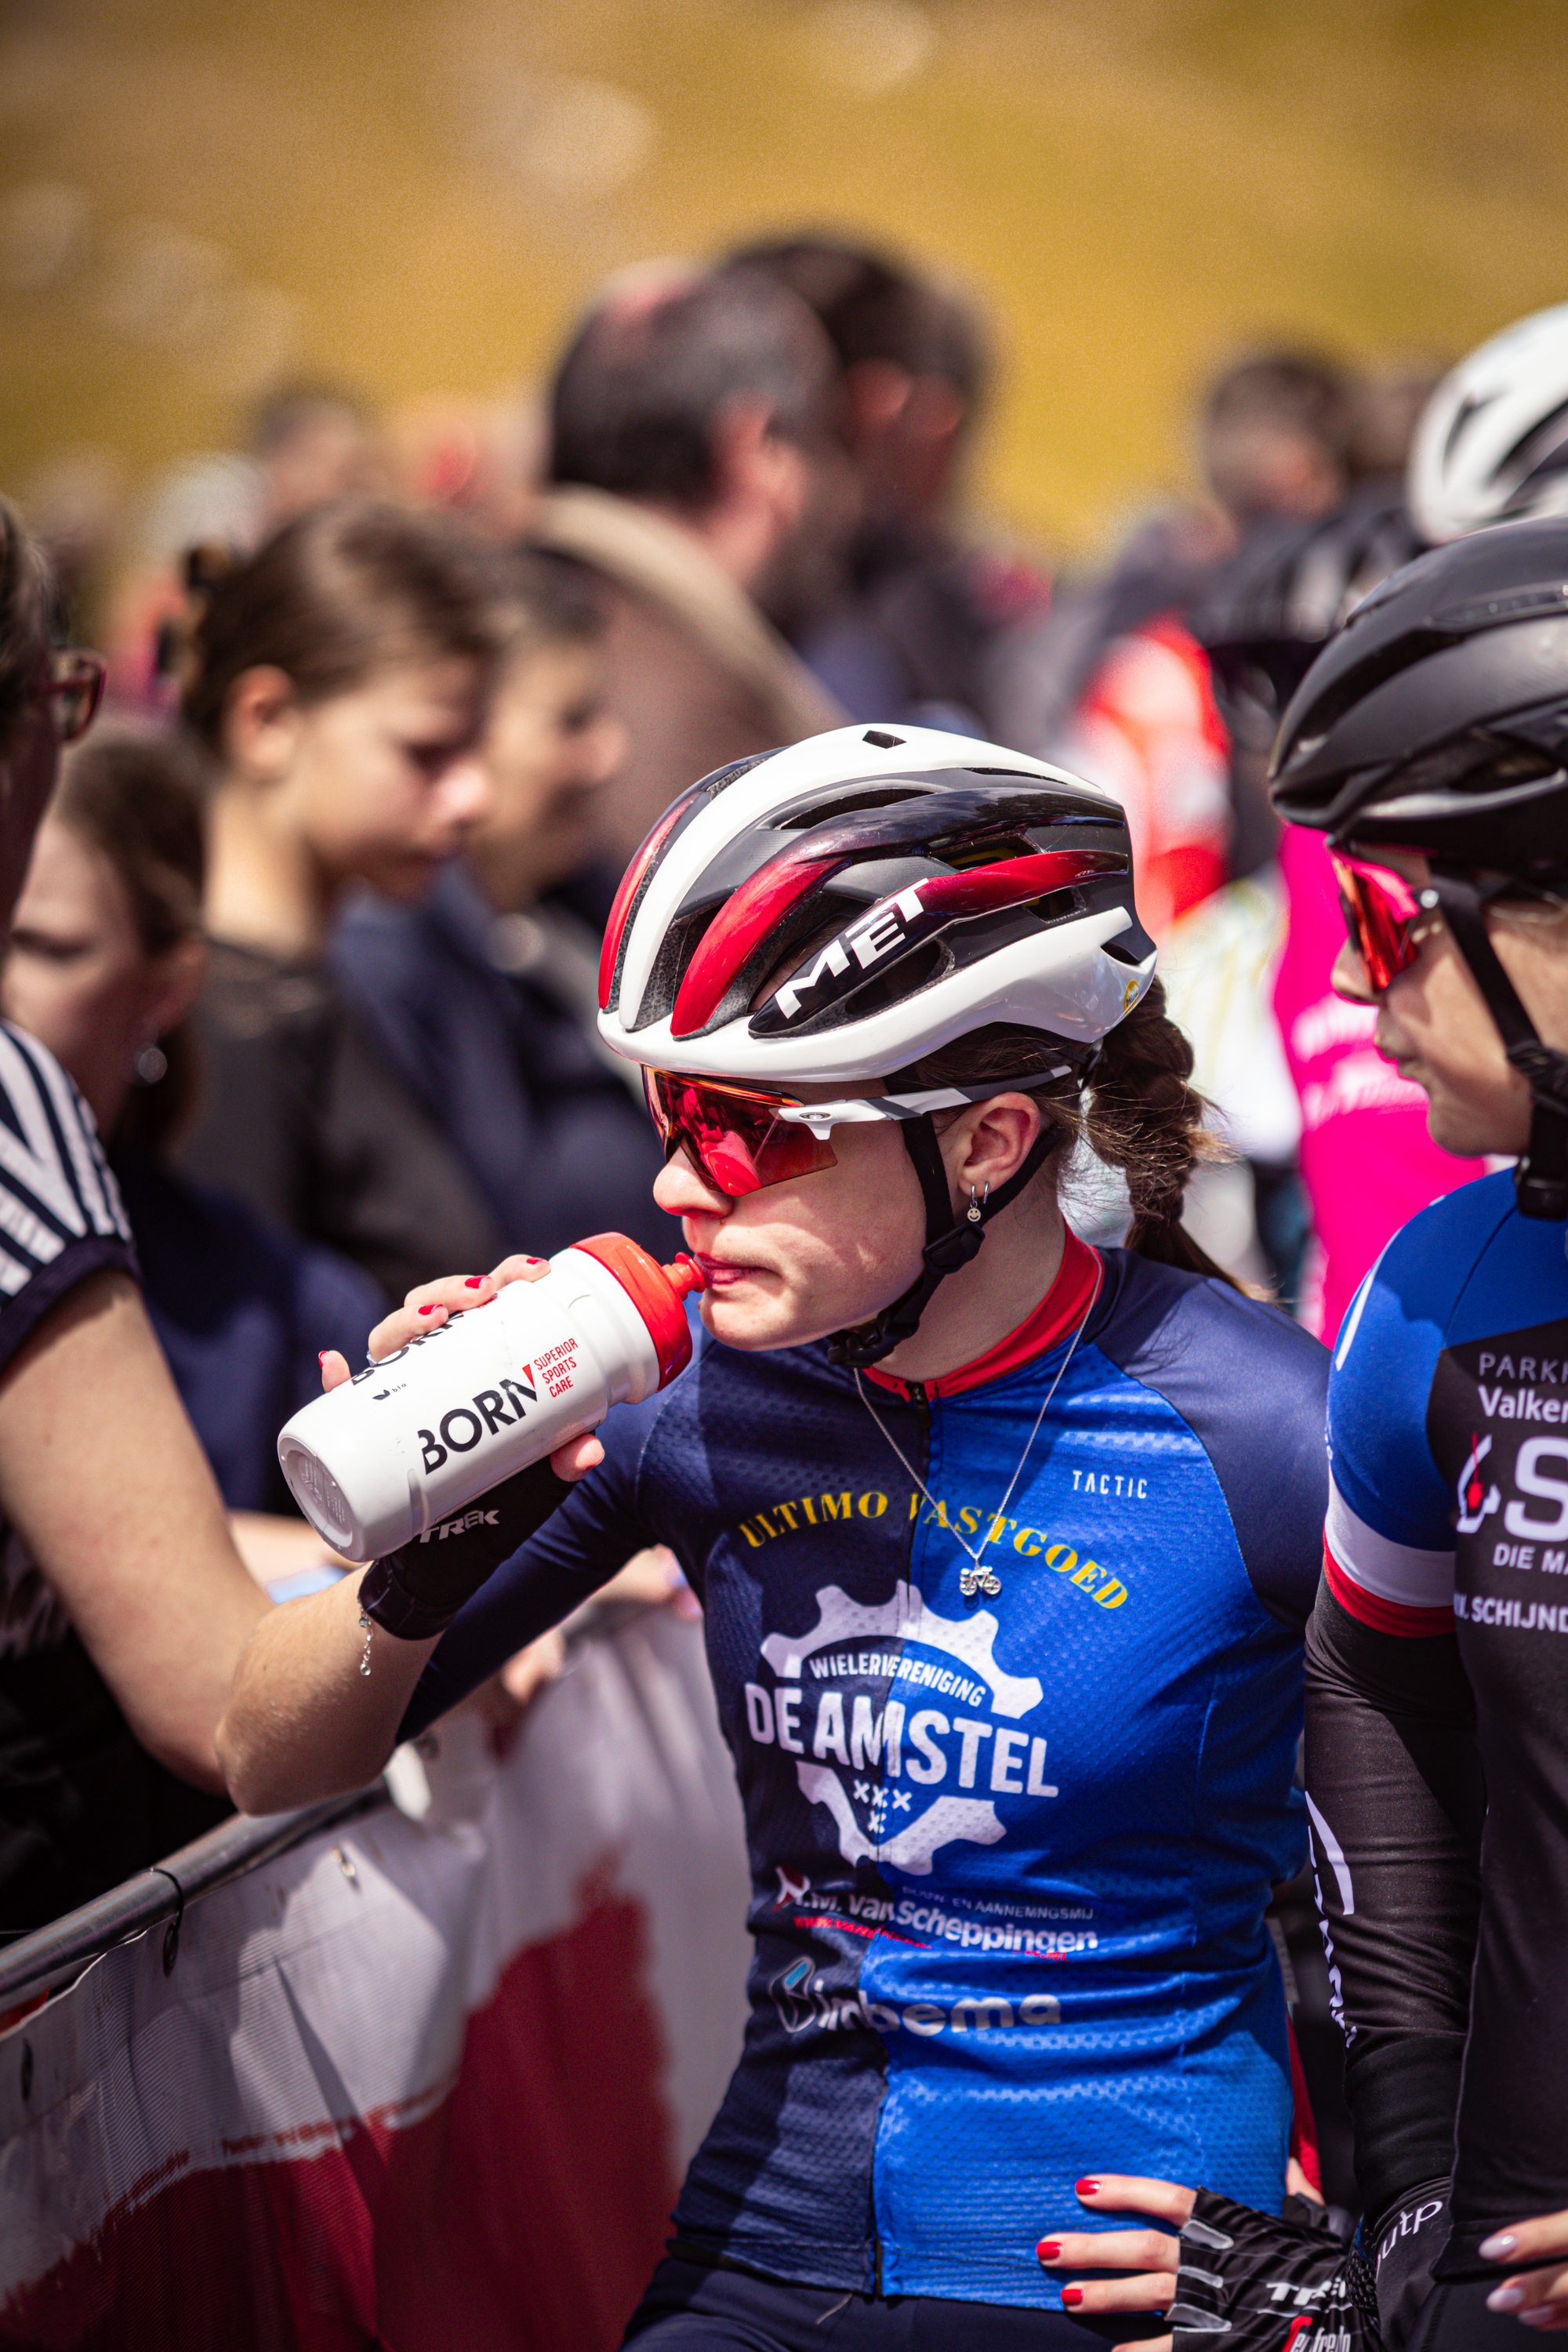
(976, 1211)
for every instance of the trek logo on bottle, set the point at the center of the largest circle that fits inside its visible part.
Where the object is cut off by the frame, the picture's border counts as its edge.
(461, 1526)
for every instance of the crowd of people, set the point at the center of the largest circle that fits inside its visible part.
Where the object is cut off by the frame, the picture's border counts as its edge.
(675, 815)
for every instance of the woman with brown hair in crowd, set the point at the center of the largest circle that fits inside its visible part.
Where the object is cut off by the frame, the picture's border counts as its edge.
(105, 960)
(338, 682)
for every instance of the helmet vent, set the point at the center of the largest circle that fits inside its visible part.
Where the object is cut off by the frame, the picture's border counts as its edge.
(827, 812)
(1540, 442)
(883, 743)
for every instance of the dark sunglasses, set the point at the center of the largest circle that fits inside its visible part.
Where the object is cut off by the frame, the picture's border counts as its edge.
(1382, 911)
(73, 690)
(737, 1136)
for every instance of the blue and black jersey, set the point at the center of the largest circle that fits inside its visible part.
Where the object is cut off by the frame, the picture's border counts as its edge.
(1010, 1847)
(1437, 1753)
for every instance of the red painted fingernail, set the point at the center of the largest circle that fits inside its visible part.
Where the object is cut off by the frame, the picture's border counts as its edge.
(474, 1282)
(533, 1261)
(321, 1356)
(1049, 2250)
(1072, 2297)
(427, 1310)
(1088, 2187)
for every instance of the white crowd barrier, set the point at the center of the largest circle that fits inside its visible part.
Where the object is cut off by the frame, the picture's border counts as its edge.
(410, 2083)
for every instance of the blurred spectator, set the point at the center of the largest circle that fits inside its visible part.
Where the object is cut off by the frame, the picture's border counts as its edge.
(697, 469)
(124, 1603)
(1386, 408)
(1111, 684)
(105, 961)
(914, 634)
(313, 444)
(1276, 436)
(1277, 439)
(1366, 1161)
(481, 458)
(1147, 731)
(75, 509)
(1280, 436)
(339, 682)
(485, 996)
(302, 445)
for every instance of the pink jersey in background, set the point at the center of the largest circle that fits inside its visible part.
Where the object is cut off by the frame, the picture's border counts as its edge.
(1367, 1160)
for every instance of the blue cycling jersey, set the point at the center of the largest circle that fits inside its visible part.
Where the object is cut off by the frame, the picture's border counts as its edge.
(1448, 1529)
(1010, 1850)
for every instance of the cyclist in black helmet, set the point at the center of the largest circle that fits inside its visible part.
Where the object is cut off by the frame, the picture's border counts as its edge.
(1429, 741)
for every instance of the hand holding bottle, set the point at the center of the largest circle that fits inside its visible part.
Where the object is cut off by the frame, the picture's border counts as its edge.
(435, 1303)
(386, 1465)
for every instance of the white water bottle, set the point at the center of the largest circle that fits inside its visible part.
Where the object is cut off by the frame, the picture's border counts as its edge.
(410, 1441)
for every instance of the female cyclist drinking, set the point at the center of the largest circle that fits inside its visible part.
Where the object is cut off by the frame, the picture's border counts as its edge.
(1005, 1546)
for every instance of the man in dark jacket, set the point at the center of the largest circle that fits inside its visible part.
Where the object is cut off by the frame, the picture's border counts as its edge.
(698, 472)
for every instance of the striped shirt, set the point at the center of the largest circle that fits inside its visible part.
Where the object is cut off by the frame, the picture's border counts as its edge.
(61, 1220)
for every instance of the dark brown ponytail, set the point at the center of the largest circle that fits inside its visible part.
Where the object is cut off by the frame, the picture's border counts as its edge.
(1140, 1112)
(1145, 1115)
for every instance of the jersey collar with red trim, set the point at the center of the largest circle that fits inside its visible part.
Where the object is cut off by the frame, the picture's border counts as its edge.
(1060, 1312)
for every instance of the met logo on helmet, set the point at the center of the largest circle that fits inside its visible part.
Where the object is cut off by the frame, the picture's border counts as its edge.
(868, 939)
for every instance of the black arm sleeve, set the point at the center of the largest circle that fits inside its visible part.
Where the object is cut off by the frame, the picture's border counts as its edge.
(581, 1535)
(1396, 1801)
(418, 1589)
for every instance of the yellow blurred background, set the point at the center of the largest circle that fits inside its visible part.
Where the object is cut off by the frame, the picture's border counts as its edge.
(416, 195)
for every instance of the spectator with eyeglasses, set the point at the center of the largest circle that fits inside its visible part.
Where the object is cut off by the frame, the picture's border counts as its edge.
(123, 1602)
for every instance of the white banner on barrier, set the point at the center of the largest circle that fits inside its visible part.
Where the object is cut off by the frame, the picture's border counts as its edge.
(412, 2083)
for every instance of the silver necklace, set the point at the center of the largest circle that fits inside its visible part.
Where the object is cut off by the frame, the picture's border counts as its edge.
(977, 1578)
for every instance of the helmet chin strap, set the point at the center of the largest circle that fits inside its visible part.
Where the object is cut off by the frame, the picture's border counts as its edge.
(948, 1244)
(1541, 1179)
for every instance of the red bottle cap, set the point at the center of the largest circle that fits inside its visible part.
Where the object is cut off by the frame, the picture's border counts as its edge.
(656, 1291)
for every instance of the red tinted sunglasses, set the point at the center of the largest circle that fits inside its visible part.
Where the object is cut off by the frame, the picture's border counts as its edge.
(736, 1137)
(1382, 911)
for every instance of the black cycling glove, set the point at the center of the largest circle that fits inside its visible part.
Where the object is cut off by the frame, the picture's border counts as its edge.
(1402, 2250)
(417, 1592)
(1264, 2282)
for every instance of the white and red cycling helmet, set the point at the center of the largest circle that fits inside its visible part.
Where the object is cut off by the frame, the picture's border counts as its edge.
(932, 885)
(898, 889)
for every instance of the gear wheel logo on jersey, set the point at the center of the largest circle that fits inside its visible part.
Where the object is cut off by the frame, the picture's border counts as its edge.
(920, 1767)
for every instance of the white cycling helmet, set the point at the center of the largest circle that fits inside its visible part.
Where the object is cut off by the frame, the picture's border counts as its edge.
(931, 886)
(1492, 442)
(894, 889)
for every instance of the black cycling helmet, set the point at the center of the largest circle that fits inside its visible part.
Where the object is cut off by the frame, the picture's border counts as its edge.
(1437, 719)
(1269, 611)
(1439, 716)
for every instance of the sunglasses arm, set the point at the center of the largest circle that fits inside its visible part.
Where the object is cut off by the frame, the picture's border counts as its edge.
(864, 1111)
